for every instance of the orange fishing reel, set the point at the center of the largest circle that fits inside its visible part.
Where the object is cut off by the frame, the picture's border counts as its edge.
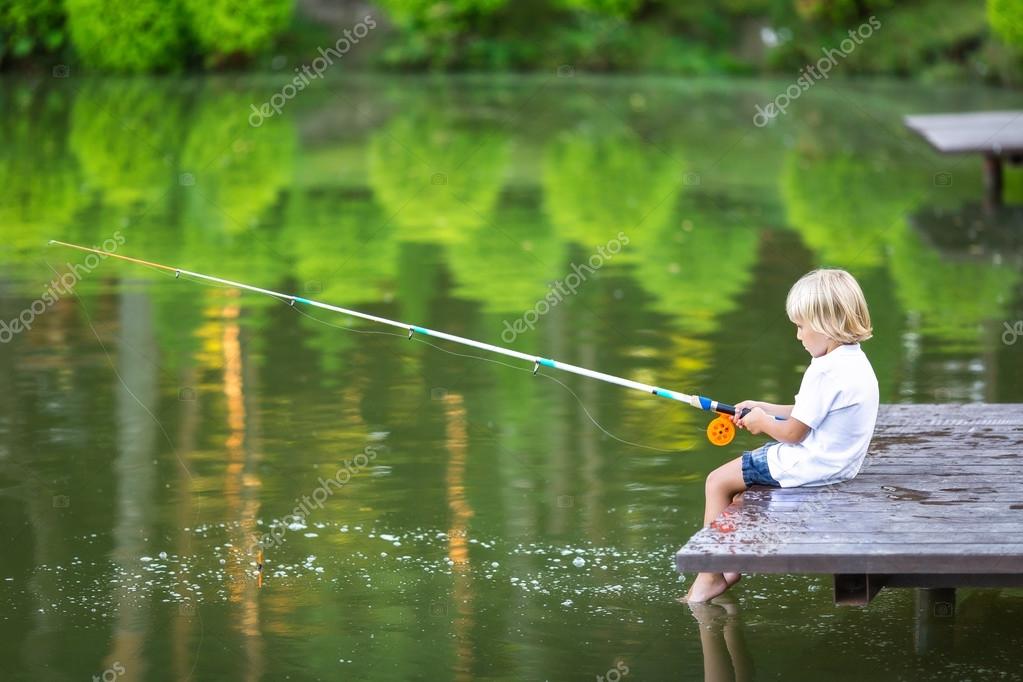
(721, 431)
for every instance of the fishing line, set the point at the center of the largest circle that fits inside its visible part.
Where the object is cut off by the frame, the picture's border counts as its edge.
(582, 405)
(496, 362)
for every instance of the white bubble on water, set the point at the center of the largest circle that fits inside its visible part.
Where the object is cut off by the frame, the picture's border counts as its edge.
(578, 562)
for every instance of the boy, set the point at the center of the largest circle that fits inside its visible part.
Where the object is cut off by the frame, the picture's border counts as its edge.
(824, 436)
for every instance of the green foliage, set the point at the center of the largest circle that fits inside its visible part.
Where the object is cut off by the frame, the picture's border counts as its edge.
(439, 16)
(433, 33)
(229, 27)
(839, 11)
(30, 26)
(1006, 18)
(136, 36)
(615, 8)
(898, 45)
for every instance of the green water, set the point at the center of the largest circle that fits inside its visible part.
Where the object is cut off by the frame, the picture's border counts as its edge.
(492, 524)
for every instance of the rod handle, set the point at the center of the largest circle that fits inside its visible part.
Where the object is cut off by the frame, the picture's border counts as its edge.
(725, 408)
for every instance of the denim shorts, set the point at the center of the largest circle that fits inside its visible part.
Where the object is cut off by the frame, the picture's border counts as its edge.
(754, 467)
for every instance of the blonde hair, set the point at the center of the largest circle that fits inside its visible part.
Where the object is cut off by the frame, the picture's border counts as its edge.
(830, 302)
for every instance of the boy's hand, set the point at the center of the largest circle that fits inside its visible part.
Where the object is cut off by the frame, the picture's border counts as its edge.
(750, 404)
(754, 421)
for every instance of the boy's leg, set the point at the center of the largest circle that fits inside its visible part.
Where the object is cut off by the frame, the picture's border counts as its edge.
(722, 484)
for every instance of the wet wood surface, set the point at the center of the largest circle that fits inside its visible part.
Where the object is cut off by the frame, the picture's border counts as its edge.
(940, 492)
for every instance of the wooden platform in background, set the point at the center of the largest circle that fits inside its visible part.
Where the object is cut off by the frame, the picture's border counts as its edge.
(996, 135)
(938, 503)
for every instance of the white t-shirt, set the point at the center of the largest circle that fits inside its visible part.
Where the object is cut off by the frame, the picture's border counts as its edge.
(838, 400)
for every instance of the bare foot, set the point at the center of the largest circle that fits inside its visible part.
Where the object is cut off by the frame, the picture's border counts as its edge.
(706, 587)
(732, 578)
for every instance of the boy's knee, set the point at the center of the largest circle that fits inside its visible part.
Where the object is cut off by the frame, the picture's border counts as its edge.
(714, 480)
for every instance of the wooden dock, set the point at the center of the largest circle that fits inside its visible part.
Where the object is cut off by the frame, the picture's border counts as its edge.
(937, 504)
(996, 135)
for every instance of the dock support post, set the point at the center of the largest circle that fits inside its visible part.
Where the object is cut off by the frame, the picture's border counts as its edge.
(992, 182)
(935, 611)
(857, 589)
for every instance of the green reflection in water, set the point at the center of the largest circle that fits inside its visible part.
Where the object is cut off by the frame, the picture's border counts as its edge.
(41, 189)
(598, 182)
(126, 136)
(845, 204)
(237, 170)
(437, 177)
(934, 286)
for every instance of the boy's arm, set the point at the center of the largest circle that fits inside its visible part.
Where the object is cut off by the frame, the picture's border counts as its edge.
(777, 410)
(789, 430)
(769, 408)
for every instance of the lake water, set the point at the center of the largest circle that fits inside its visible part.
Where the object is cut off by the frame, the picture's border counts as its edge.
(432, 515)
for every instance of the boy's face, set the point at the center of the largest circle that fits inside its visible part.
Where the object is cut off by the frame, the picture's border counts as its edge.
(815, 343)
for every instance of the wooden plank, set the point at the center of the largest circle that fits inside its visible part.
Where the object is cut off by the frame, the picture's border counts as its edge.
(879, 521)
(852, 559)
(771, 538)
(1006, 142)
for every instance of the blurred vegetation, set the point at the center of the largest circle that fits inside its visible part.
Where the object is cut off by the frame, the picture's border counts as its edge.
(930, 39)
(141, 36)
(226, 29)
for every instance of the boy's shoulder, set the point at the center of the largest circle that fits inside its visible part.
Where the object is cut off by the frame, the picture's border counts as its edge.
(845, 362)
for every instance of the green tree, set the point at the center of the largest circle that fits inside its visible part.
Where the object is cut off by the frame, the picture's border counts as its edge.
(224, 28)
(1006, 19)
(136, 36)
(839, 11)
(30, 26)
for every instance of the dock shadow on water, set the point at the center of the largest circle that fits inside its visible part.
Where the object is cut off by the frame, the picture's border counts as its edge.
(151, 428)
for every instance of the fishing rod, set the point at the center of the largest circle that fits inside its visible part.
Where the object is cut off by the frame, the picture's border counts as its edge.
(720, 431)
